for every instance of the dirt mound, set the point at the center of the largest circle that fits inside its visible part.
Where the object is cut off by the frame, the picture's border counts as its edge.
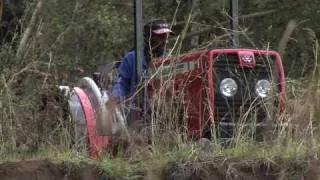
(46, 170)
(313, 171)
(204, 170)
(243, 169)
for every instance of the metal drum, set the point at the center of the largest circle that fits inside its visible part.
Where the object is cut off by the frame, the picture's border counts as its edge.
(94, 124)
(79, 123)
(104, 126)
(108, 123)
(96, 142)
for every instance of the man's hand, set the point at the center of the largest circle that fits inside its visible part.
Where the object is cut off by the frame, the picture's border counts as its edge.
(111, 104)
(108, 114)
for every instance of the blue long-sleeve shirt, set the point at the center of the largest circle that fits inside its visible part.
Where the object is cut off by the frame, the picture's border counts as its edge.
(127, 80)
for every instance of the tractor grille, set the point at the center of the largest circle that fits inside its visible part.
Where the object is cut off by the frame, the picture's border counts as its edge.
(245, 106)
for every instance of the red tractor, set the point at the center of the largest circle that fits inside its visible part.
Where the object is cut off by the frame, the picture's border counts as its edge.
(225, 87)
(220, 87)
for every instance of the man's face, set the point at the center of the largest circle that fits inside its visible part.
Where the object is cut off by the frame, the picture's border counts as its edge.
(158, 43)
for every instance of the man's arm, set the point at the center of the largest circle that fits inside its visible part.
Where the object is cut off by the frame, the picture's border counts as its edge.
(121, 87)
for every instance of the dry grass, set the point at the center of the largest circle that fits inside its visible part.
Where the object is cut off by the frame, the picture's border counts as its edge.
(25, 127)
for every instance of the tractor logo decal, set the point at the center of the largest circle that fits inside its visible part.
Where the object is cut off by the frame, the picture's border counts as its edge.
(246, 59)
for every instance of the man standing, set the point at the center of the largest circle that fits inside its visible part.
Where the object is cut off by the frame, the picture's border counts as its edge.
(155, 34)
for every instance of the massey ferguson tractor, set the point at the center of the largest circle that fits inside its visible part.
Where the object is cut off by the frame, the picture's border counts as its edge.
(217, 88)
(225, 87)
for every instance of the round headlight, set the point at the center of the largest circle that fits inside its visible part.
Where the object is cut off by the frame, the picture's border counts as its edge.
(228, 87)
(263, 88)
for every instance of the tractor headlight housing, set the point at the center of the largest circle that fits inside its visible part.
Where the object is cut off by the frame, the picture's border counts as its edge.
(228, 87)
(263, 88)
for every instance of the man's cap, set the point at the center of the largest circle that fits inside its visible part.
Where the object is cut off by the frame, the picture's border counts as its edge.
(158, 27)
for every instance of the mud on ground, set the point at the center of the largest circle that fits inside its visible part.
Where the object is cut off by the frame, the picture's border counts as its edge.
(237, 169)
(205, 170)
(47, 170)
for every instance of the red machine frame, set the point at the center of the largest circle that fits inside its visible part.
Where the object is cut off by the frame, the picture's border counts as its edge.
(192, 76)
(194, 86)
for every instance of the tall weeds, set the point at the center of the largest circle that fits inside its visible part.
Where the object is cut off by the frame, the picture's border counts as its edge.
(28, 121)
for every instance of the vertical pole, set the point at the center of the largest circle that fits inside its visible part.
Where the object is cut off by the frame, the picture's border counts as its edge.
(138, 45)
(234, 22)
(138, 36)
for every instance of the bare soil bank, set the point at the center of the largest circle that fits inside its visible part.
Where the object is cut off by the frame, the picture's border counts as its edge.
(227, 170)
(47, 170)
